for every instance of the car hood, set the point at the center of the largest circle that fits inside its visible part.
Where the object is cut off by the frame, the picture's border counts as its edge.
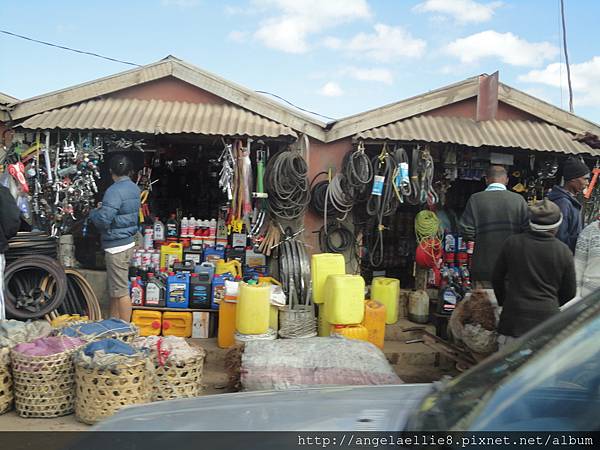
(367, 408)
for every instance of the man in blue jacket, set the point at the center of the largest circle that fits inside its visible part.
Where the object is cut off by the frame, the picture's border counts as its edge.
(116, 217)
(576, 178)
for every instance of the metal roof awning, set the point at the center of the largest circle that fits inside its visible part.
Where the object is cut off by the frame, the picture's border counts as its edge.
(158, 117)
(528, 135)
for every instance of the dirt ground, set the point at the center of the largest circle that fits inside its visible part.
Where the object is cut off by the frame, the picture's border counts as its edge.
(414, 363)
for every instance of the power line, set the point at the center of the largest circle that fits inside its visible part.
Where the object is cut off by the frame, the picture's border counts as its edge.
(68, 48)
(564, 27)
(560, 53)
(138, 65)
(297, 107)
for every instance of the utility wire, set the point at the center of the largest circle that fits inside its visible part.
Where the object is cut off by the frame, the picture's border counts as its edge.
(560, 58)
(564, 27)
(138, 65)
(68, 48)
(297, 107)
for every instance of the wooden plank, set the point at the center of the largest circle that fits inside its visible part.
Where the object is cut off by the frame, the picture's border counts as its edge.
(545, 111)
(91, 89)
(159, 308)
(402, 110)
(249, 100)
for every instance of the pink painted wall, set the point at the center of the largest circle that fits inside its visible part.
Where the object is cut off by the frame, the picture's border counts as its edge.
(169, 89)
(467, 109)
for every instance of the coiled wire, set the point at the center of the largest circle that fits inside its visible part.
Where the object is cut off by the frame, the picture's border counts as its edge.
(287, 184)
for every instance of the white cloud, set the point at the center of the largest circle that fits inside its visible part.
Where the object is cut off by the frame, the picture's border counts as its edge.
(331, 89)
(385, 45)
(295, 21)
(237, 36)
(180, 3)
(377, 74)
(585, 79)
(463, 11)
(507, 47)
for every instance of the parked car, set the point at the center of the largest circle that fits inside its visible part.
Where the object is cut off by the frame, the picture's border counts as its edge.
(548, 379)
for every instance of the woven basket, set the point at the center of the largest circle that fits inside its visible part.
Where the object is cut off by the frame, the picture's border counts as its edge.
(43, 385)
(6, 387)
(100, 392)
(299, 322)
(178, 379)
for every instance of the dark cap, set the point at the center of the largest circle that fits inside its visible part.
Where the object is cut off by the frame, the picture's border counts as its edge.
(574, 168)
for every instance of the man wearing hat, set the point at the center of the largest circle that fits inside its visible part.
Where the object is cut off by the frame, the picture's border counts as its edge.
(534, 274)
(576, 178)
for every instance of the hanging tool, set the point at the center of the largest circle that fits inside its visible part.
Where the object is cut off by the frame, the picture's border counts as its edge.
(595, 172)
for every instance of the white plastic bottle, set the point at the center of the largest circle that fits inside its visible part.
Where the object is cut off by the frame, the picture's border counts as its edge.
(212, 230)
(185, 228)
(192, 227)
(159, 230)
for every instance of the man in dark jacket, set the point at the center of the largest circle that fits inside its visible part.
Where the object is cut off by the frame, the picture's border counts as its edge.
(576, 178)
(534, 274)
(117, 220)
(10, 220)
(489, 218)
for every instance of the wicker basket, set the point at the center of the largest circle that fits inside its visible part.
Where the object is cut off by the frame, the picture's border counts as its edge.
(100, 392)
(6, 384)
(181, 379)
(44, 385)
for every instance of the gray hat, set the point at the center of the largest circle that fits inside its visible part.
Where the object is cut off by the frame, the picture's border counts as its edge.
(574, 168)
(545, 216)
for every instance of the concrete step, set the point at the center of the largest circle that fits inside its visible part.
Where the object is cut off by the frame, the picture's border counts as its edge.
(395, 331)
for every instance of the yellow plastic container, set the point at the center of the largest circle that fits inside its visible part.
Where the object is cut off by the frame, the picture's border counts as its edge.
(253, 309)
(177, 323)
(148, 322)
(374, 322)
(321, 266)
(169, 253)
(226, 330)
(345, 301)
(358, 332)
(387, 291)
(324, 326)
(233, 267)
(274, 318)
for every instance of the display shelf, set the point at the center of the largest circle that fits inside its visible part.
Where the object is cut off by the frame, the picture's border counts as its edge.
(162, 308)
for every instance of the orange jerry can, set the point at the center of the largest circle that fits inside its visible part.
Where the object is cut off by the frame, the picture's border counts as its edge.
(374, 322)
(177, 323)
(148, 322)
(358, 332)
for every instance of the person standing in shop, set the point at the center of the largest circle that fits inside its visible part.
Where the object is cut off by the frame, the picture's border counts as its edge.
(10, 221)
(117, 217)
(576, 178)
(489, 218)
(534, 274)
(587, 259)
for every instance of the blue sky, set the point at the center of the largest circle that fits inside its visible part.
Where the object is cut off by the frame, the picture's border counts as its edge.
(335, 57)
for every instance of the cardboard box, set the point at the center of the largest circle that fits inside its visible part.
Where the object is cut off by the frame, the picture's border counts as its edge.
(200, 325)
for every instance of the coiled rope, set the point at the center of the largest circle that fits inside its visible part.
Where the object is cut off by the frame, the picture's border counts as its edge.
(428, 232)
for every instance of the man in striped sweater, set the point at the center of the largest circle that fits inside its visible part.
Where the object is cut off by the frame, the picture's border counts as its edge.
(587, 259)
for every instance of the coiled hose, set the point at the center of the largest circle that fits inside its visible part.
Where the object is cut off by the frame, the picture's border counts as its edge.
(287, 184)
(24, 296)
(383, 204)
(428, 232)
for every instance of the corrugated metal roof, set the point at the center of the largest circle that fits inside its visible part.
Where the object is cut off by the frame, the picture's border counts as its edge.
(158, 117)
(496, 133)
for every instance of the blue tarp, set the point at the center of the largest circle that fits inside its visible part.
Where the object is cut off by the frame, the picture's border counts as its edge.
(112, 346)
(103, 328)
